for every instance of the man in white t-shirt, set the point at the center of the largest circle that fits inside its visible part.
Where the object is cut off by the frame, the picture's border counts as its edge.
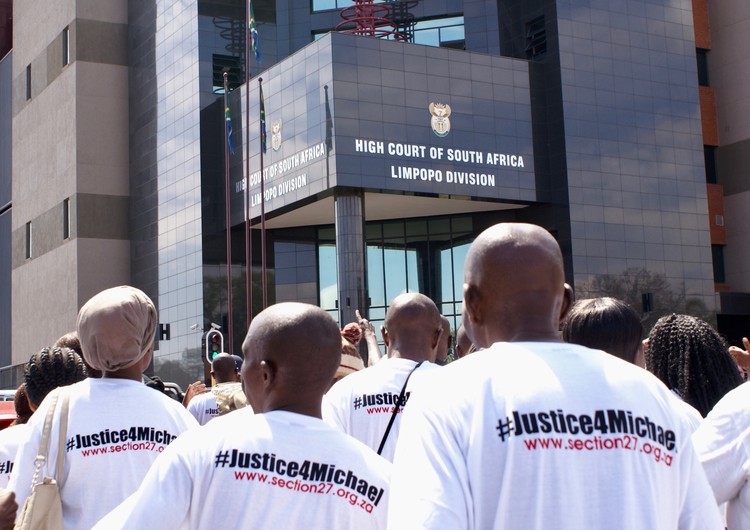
(362, 404)
(280, 468)
(225, 396)
(535, 433)
(723, 445)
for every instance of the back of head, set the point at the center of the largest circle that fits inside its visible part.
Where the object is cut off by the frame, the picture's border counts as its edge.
(605, 324)
(463, 343)
(412, 326)
(50, 369)
(70, 341)
(21, 405)
(691, 358)
(237, 362)
(291, 351)
(224, 368)
(441, 355)
(514, 285)
(116, 328)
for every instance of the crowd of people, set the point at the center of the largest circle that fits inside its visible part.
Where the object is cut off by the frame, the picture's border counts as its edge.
(548, 413)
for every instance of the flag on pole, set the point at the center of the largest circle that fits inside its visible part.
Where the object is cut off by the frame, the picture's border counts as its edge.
(227, 114)
(262, 120)
(230, 141)
(253, 28)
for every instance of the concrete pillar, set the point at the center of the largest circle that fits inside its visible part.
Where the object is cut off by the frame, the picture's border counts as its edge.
(350, 253)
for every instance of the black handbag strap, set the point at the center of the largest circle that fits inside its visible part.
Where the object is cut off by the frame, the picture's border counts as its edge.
(395, 408)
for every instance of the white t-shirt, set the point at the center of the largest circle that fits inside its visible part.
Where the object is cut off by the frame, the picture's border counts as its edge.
(264, 471)
(204, 408)
(361, 404)
(11, 438)
(723, 445)
(116, 429)
(546, 435)
(694, 417)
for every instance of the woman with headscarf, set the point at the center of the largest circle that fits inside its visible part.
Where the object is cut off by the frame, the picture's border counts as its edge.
(116, 425)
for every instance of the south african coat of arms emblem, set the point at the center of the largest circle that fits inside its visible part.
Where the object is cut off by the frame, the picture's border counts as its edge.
(276, 135)
(441, 123)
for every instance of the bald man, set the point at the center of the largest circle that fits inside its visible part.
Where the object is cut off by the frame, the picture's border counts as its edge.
(225, 396)
(363, 403)
(530, 432)
(280, 468)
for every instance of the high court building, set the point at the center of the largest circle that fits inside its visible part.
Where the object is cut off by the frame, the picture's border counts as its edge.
(620, 126)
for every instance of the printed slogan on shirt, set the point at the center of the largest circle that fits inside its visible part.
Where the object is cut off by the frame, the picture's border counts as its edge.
(120, 441)
(604, 430)
(371, 401)
(306, 477)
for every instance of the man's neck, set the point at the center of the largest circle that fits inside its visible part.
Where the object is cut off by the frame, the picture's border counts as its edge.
(410, 354)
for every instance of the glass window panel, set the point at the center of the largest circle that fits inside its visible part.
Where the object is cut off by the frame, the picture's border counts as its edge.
(373, 231)
(448, 310)
(377, 314)
(375, 281)
(416, 228)
(446, 278)
(453, 33)
(327, 277)
(413, 281)
(439, 23)
(393, 229)
(323, 5)
(461, 225)
(328, 234)
(440, 226)
(395, 272)
(459, 258)
(377, 317)
(430, 37)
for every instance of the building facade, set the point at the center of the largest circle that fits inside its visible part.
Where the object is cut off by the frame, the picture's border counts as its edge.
(384, 158)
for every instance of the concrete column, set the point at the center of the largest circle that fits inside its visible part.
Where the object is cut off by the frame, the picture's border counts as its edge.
(350, 253)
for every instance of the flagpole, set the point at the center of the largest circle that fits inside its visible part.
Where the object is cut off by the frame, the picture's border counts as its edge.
(228, 218)
(262, 197)
(248, 236)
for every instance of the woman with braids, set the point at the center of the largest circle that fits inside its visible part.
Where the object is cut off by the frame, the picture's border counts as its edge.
(117, 426)
(692, 359)
(45, 371)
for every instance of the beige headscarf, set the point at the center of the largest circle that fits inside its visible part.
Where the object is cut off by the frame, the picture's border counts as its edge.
(117, 328)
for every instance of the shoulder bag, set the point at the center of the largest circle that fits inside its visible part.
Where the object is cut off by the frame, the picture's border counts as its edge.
(43, 508)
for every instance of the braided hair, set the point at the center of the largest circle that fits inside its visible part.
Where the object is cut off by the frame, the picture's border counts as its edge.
(691, 358)
(49, 369)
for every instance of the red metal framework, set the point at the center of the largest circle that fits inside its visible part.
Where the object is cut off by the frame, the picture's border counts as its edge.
(369, 19)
